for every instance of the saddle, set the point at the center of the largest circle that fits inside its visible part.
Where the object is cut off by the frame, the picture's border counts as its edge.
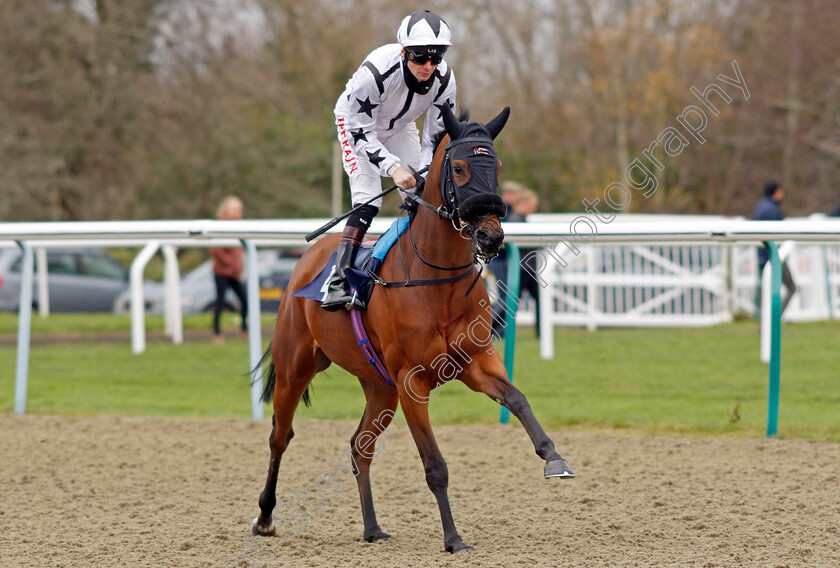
(365, 269)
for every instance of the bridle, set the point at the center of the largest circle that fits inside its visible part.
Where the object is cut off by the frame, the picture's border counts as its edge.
(452, 196)
(478, 196)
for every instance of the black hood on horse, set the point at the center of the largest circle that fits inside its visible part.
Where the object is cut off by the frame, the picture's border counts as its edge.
(471, 159)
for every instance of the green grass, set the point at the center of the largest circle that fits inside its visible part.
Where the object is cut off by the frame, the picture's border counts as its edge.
(72, 324)
(650, 381)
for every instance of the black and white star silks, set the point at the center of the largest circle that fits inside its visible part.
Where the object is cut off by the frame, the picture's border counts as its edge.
(377, 103)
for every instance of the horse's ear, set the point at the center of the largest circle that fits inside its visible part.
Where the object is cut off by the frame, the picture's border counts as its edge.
(452, 124)
(495, 126)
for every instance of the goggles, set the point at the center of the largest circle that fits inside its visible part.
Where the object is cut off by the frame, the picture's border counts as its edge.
(421, 57)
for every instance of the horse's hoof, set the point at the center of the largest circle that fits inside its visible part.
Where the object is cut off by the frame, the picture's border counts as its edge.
(558, 468)
(461, 548)
(377, 535)
(257, 530)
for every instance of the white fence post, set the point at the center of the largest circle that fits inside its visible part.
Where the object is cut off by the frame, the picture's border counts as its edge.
(766, 333)
(546, 307)
(591, 289)
(829, 260)
(24, 328)
(173, 318)
(43, 285)
(727, 285)
(254, 328)
(138, 304)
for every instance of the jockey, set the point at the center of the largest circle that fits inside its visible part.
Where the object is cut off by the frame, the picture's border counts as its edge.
(375, 118)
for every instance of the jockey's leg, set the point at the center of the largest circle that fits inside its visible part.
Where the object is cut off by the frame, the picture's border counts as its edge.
(338, 296)
(365, 183)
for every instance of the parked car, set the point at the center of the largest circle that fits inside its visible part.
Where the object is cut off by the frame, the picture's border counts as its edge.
(79, 280)
(198, 289)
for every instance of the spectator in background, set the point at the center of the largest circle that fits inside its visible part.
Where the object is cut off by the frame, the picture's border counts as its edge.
(227, 270)
(770, 209)
(521, 202)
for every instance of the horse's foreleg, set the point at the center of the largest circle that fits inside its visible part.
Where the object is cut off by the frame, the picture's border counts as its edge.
(489, 376)
(437, 475)
(381, 404)
(555, 465)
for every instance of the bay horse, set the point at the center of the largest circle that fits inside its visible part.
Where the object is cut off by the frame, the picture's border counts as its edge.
(409, 327)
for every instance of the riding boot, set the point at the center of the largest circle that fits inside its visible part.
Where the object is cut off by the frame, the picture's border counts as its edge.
(338, 296)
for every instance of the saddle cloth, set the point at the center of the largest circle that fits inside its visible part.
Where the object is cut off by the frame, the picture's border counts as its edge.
(368, 261)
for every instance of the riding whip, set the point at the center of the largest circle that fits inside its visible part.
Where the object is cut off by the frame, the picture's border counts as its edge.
(318, 232)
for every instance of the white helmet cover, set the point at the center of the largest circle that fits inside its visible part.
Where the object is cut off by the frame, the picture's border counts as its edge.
(423, 28)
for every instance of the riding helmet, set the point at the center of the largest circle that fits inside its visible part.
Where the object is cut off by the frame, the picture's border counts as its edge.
(423, 28)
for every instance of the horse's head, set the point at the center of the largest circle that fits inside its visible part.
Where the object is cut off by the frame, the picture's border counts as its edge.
(469, 180)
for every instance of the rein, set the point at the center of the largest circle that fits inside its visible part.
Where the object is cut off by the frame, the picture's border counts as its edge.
(442, 211)
(423, 281)
(427, 263)
(430, 281)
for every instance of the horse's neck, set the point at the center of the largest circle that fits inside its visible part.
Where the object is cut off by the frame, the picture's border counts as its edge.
(436, 239)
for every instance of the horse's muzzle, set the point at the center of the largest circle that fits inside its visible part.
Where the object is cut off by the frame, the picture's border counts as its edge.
(487, 237)
(481, 213)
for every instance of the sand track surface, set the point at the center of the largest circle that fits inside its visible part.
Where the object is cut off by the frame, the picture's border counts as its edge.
(161, 492)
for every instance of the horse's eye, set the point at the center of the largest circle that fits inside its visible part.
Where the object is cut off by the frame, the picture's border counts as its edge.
(458, 170)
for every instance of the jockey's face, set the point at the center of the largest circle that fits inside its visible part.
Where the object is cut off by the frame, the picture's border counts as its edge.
(421, 72)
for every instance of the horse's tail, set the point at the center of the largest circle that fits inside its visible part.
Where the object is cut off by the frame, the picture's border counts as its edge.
(270, 376)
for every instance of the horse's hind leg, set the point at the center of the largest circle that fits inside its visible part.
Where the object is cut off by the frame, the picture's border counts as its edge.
(381, 404)
(298, 367)
(263, 525)
(488, 375)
